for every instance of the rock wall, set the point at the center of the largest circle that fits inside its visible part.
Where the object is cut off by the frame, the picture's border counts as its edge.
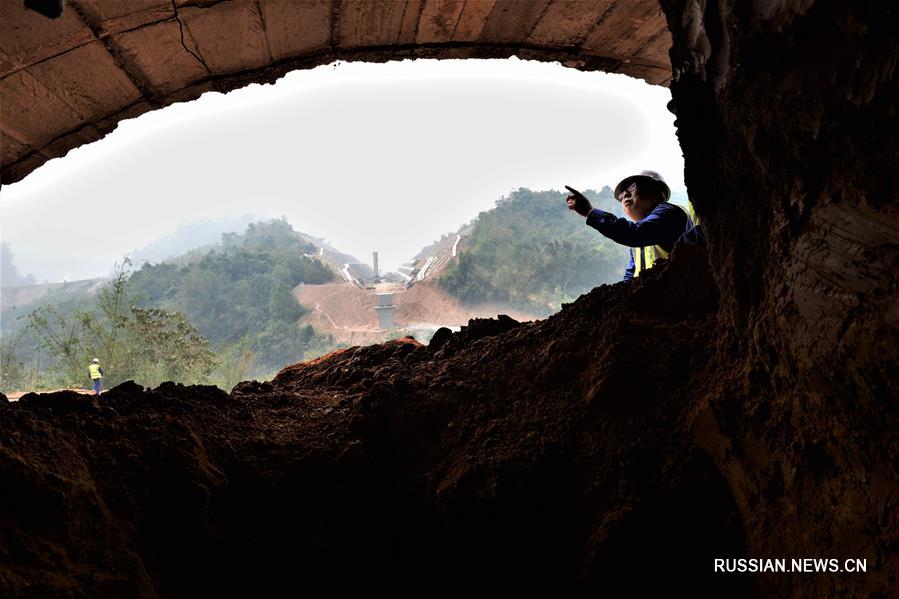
(786, 112)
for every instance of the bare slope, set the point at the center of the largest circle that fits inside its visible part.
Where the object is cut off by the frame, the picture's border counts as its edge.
(347, 312)
(22, 295)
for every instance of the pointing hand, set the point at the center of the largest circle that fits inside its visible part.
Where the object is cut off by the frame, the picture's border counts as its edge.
(578, 202)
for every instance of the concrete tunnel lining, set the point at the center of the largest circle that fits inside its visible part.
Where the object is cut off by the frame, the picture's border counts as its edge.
(66, 82)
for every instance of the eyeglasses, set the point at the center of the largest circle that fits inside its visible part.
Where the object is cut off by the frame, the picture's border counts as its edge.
(629, 192)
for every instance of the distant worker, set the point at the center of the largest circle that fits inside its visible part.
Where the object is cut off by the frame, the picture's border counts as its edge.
(96, 374)
(656, 227)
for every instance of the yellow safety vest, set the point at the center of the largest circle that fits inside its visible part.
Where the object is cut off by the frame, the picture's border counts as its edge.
(691, 213)
(646, 257)
(95, 371)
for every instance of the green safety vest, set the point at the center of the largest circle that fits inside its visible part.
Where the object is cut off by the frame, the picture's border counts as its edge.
(646, 257)
(95, 371)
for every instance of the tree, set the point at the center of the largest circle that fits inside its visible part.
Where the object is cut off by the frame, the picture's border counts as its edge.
(12, 370)
(147, 345)
(165, 347)
(282, 306)
(61, 338)
(529, 253)
(108, 327)
(235, 364)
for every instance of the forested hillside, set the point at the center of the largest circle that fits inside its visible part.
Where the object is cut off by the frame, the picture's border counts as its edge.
(217, 315)
(531, 252)
(227, 313)
(239, 294)
(189, 236)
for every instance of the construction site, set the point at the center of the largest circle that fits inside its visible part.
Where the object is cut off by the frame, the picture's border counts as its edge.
(370, 307)
(737, 402)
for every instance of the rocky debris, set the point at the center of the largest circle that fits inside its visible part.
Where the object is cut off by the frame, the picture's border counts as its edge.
(445, 343)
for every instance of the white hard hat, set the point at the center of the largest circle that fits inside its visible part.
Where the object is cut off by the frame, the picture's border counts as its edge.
(650, 176)
(96, 360)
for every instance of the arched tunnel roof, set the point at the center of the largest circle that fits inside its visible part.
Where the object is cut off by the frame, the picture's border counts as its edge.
(68, 81)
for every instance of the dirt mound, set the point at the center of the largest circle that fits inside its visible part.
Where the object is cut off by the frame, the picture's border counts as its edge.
(497, 451)
(572, 453)
(17, 395)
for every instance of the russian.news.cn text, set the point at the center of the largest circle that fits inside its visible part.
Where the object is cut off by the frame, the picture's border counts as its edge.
(792, 566)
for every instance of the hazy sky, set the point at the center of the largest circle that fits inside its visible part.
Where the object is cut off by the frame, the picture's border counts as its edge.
(380, 157)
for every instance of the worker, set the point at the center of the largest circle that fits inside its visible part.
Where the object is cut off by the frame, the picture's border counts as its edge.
(96, 374)
(654, 226)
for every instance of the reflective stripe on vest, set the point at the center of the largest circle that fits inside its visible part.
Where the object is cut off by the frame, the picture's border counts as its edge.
(94, 370)
(646, 257)
(691, 214)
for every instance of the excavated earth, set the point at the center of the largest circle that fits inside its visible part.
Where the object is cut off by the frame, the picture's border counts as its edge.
(347, 313)
(574, 454)
(507, 455)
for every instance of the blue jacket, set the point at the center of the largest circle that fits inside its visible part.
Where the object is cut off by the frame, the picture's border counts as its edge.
(662, 227)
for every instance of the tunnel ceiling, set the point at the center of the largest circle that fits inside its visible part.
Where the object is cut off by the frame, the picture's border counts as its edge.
(68, 81)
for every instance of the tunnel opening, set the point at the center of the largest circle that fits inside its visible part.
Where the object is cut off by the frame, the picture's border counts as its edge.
(780, 362)
(340, 155)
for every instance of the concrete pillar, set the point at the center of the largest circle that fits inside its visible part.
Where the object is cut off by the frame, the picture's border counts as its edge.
(385, 310)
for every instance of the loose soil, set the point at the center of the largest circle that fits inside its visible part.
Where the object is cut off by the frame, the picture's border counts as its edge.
(570, 455)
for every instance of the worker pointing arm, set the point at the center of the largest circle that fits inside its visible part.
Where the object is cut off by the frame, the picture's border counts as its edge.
(654, 225)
